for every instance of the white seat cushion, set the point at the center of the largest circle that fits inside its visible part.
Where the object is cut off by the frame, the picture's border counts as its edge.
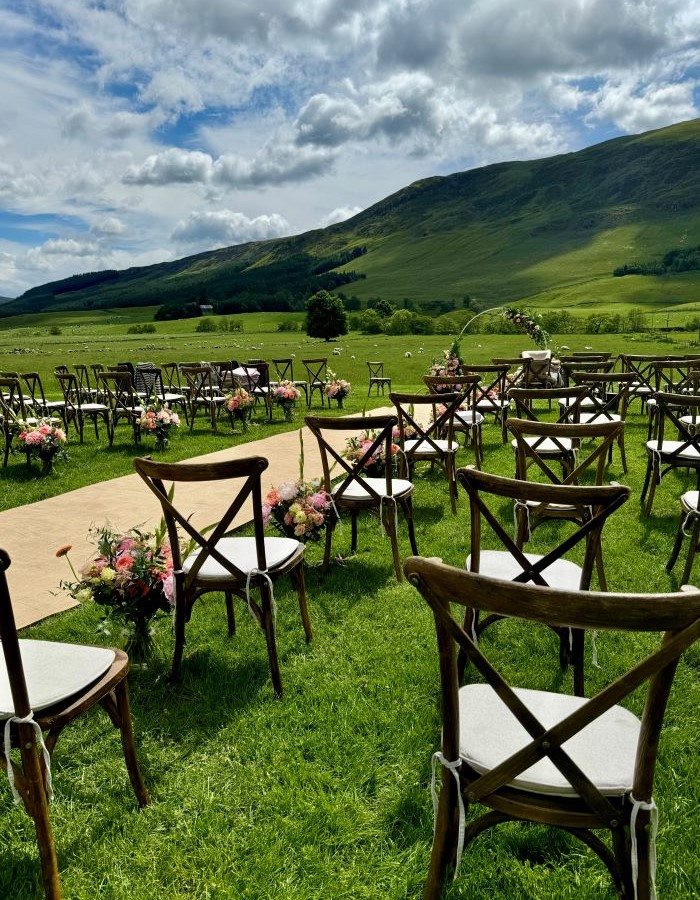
(355, 490)
(587, 418)
(468, 417)
(93, 407)
(241, 551)
(690, 452)
(500, 564)
(605, 750)
(422, 446)
(546, 445)
(492, 404)
(54, 672)
(689, 502)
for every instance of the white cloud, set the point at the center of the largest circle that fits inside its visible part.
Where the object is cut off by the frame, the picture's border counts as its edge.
(340, 214)
(221, 228)
(632, 109)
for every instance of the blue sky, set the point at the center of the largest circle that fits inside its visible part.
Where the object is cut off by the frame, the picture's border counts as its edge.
(138, 131)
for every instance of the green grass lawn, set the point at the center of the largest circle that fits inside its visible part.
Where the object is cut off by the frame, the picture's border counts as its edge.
(325, 794)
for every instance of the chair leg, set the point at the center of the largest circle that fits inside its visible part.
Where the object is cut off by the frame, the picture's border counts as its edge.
(444, 839)
(407, 506)
(230, 614)
(388, 511)
(692, 549)
(678, 543)
(329, 541)
(126, 730)
(649, 485)
(577, 660)
(299, 582)
(179, 628)
(452, 483)
(268, 625)
(38, 808)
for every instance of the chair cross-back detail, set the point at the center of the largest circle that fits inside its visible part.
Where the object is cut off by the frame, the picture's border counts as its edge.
(676, 413)
(607, 401)
(571, 364)
(642, 367)
(513, 564)
(532, 755)
(467, 419)
(433, 442)
(88, 393)
(316, 377)
(492, 391)
(202, 393)
(284, 371)
(258, 374)
(173, 394)
(219, 561)
(12, 412)
(358, 493)
(44, 686)
(377, 379)
(42, 406)
(123, 402)
(77, 411)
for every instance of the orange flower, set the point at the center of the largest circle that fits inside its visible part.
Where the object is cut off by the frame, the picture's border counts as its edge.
(64, 550)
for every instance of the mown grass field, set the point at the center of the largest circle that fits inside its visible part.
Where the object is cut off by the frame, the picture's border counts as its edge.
(324, 795)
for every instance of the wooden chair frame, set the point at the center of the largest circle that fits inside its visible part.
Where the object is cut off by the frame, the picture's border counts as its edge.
(493, 379)
(352, 472)
(571, 364)
(609, 393)
(627, 816)
(76, 411)
(110, 691)
(429, 443)
(317, 378)
(35, 389)
(600, 501)
(467, 386)
(682, 452)
(284, 370)
(202, 393)
(188, 585)
(377, 378)
(123, 402)
(258, 375)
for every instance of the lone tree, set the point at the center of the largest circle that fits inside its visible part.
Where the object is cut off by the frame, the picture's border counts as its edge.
(325, 316)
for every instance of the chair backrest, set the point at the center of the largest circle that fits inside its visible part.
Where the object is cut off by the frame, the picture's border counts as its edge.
(609, 391)
(601, 500)
(380, 431)
(70, 389)
(592, 354)
(376, 369)
(10, 645)
(35, 388)
(316, 369)
(162, 479)
(571, 364)
(446, 384)
(119, 390)
(284, 369)
(679, 417)
(13, 399)
(641, 366)
(539, 370)
(676, 376)
(83, 376)
(148, 382)
(199, 381)
(677, 615)
(531, 438)
(569, 407)
(171, 377)
(440, 426)
(263, 377)
(493, 380)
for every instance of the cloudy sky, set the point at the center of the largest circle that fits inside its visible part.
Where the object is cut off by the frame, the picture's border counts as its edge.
(137, 131)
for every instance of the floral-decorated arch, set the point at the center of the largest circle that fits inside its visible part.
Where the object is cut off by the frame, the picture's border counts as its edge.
(528, 324)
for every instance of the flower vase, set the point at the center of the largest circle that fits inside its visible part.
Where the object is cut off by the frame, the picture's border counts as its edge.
(46, 463)
(243, 422)
(161, 444)
(140, 646)
(341, 402)
(288, 412)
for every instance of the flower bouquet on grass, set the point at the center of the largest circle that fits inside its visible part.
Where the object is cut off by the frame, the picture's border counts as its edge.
(337, 389)
(356, 447)
(286, 396)
(131, 577)
(43, 440)
(158, 420)
(238, 404)
(298, 509)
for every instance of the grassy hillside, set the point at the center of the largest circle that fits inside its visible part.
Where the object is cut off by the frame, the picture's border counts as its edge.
(548, 231)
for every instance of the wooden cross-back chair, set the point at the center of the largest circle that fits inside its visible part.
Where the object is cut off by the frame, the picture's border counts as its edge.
(544, 757)
(492, 391)
(642, 367)
(518, 366)
(219, 561)
(672, 376)
(511, 563)
(676, 414)
(173, 393)
(607, 401)
(571, 364)
(88, 392)
(467, 419)
(284, 371)
(76, 410)
(35, 390)
(432, 441)
(358, 493)
(258, 375)
(316, 377)
(202, 393)
(377, 379)
(526, 405)
(123, 402)
(12, 412)
(44, 686)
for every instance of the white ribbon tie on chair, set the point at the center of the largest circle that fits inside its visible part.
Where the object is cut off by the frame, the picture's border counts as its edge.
(454, 769)
(264, 574)
(518, 504)
(28, 720)
(654, 826)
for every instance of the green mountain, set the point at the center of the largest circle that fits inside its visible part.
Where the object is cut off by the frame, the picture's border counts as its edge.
(548, 232)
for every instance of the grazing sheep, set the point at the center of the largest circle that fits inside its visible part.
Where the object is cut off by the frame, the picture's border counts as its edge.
(408, 354)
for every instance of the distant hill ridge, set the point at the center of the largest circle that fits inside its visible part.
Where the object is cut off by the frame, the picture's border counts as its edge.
(510, 231)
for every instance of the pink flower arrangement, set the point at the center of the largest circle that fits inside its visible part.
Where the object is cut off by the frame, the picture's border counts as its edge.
(44, 440)
(449, 365)
(158, 420)
(297, 509)
(337, 388)
(286, 395)
(131, 577)
(239, 404)
(356, 448)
